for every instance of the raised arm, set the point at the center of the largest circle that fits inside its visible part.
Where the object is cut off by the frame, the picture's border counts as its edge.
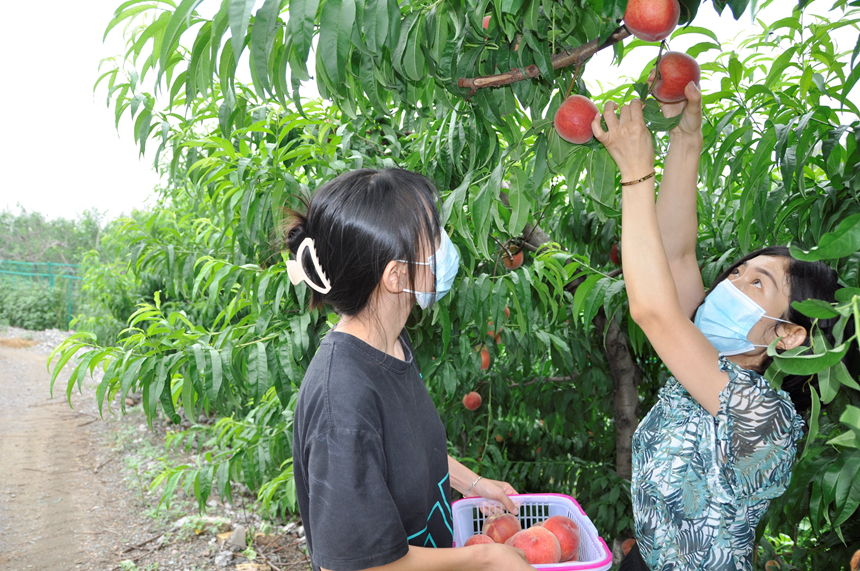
(651, 290)
(676, 201)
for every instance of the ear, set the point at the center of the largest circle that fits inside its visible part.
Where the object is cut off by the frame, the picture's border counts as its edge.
(793, 336)
(395, 277)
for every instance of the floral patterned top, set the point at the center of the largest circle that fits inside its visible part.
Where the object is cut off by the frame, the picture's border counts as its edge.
(702, 483)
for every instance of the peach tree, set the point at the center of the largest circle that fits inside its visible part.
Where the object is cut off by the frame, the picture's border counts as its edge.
(218, 330)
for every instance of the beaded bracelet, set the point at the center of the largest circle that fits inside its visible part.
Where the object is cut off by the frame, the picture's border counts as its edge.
(644, 178)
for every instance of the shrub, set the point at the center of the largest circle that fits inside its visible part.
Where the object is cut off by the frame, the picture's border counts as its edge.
(33, 305)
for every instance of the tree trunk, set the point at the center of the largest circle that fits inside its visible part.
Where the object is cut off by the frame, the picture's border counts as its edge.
(626, 395)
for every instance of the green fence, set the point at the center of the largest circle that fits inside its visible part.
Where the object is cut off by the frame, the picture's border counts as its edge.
(52, 273)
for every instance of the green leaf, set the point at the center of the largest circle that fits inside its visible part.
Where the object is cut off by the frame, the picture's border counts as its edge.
(778, 67)
(177, 24)
(414, 63)
(594, 301)
(843, 241)
(847, 490)
(828, 384)
(518, 198)
(375, 25)
(601, 181)
(239, 16)
(125, 14)
(335, 38)
(582, 292)
(262, 40)
(680, 31)
(815, 308)
(813, 421)
(217, 376)
(408, 22)
(482, 205)
(541, 52)
(846, 294)
(840, 372)
(655, 119)
(811, 364)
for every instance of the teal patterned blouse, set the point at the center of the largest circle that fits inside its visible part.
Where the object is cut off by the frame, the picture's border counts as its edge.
(702, 483)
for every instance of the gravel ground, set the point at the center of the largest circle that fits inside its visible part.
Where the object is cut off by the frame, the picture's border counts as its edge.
(74, 489)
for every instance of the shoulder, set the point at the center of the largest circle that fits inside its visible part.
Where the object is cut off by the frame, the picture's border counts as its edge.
(754, 414)
(337, 391)
(747, 389)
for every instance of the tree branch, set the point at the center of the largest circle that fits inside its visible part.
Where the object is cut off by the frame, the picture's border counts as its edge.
(536, 380)
(565, 58)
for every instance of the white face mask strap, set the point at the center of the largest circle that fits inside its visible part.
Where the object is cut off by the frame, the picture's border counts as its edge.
(297, 273)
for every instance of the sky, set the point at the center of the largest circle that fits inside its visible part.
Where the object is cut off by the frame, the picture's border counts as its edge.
(63, 154)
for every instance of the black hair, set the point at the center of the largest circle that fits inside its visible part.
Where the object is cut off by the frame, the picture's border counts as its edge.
(361, 221)
(806, 280)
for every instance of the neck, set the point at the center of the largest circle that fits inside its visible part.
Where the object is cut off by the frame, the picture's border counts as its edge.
(379, 325)
(749, 361)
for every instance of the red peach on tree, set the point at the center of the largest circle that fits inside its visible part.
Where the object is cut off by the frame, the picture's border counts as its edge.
(652, 20)
(514, 261)
(674, 71)
(573, 119)
(472, 401)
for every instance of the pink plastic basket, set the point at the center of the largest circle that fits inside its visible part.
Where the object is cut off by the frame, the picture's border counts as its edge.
(470, 513)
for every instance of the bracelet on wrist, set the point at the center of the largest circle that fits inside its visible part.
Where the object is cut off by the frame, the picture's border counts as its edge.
(644, 178)
(472, 486)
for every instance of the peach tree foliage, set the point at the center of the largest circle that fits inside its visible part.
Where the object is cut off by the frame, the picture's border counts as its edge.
(218, 329)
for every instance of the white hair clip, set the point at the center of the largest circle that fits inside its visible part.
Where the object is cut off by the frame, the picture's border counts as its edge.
(297, 272)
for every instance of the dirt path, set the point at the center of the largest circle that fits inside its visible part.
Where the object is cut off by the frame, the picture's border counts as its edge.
(73, 487)
(51, 497)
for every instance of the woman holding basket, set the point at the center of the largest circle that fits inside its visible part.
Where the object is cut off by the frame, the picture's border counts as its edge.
(372, 472)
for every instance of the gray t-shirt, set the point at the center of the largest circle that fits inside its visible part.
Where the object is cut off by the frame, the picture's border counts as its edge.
(370, 457)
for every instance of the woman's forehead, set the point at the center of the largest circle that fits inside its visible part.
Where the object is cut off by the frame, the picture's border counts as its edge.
(774, 268)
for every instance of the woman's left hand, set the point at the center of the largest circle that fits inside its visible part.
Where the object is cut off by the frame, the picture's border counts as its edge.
(495, 490)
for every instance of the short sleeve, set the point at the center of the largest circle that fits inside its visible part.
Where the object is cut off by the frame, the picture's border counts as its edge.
(757, 434)
(351, 530)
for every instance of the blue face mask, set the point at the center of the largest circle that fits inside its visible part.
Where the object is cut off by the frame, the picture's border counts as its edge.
(444, 264)
(726, 318)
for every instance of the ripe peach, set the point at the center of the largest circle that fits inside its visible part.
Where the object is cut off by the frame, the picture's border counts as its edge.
(472, 401)
(628, 545)
(652, 20)
(573, 119)
(855, 561)
(485, 358)
(478, 539)
(512, 263)
(613, 255)
(486, 22)
(772, 566)
(500, 527)
(567, 532)
(676, 70)
(540, 545)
